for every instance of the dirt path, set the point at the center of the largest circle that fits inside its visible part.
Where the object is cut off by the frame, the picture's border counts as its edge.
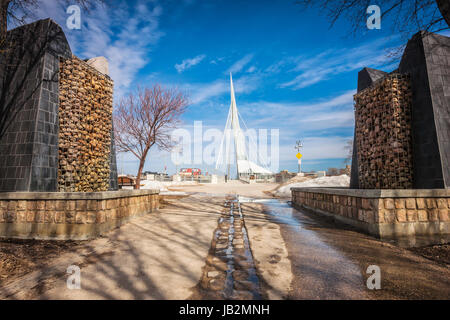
(255, 190)
(159, 256)
(19, 257)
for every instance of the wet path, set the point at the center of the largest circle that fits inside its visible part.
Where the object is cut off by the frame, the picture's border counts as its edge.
(230, 272)
(209, 246)
(321, 271)
(330, 262)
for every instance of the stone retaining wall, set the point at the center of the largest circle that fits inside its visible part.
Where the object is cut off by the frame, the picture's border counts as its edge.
(76, 216)
(383, 213)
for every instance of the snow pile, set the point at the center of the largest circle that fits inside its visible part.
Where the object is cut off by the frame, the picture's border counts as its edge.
(162, 186)
(153, 185)
(335, 181)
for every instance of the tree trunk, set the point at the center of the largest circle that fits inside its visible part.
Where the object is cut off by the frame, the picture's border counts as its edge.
(444, 8)
(3, 19)
(138, 177)
(141, 167)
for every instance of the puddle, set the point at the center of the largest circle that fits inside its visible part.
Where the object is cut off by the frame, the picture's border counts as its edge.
(243, 199)
(230, 271)
(329, 261)
(284, 213)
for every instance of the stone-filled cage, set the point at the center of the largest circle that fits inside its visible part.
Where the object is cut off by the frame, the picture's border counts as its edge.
(85, 124)
(59, 134)
(402, 120)
(383, 134)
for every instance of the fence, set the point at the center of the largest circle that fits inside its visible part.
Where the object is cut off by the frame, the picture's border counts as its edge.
(257, 178)
(181, 178)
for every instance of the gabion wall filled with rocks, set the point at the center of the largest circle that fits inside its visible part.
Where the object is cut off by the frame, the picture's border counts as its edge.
(409, 122)
(383, 134)
(85, 121)
(58, 134)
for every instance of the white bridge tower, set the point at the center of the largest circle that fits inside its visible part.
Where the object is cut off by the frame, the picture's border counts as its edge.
(234, 132)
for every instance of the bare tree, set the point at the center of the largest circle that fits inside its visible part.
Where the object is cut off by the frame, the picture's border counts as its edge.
(146, 118)
(409, 16)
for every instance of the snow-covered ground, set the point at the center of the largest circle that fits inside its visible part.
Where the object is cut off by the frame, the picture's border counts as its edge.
(162, 186)
(335, 181)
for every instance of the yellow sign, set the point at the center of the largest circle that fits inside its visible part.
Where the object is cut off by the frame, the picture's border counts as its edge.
(299, 155)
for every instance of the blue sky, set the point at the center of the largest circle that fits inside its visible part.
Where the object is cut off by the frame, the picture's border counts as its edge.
(291, 71)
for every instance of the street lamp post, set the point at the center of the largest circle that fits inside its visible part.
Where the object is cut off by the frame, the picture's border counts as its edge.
(298, 146)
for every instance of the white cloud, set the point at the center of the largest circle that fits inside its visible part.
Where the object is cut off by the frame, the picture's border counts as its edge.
(240, 64)
(277, 66)
(334, 112)
(188, 63)
(217, 60)
(333, 62)
(127, 49)
(201, 92)
(251, 69)
(317, 148)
